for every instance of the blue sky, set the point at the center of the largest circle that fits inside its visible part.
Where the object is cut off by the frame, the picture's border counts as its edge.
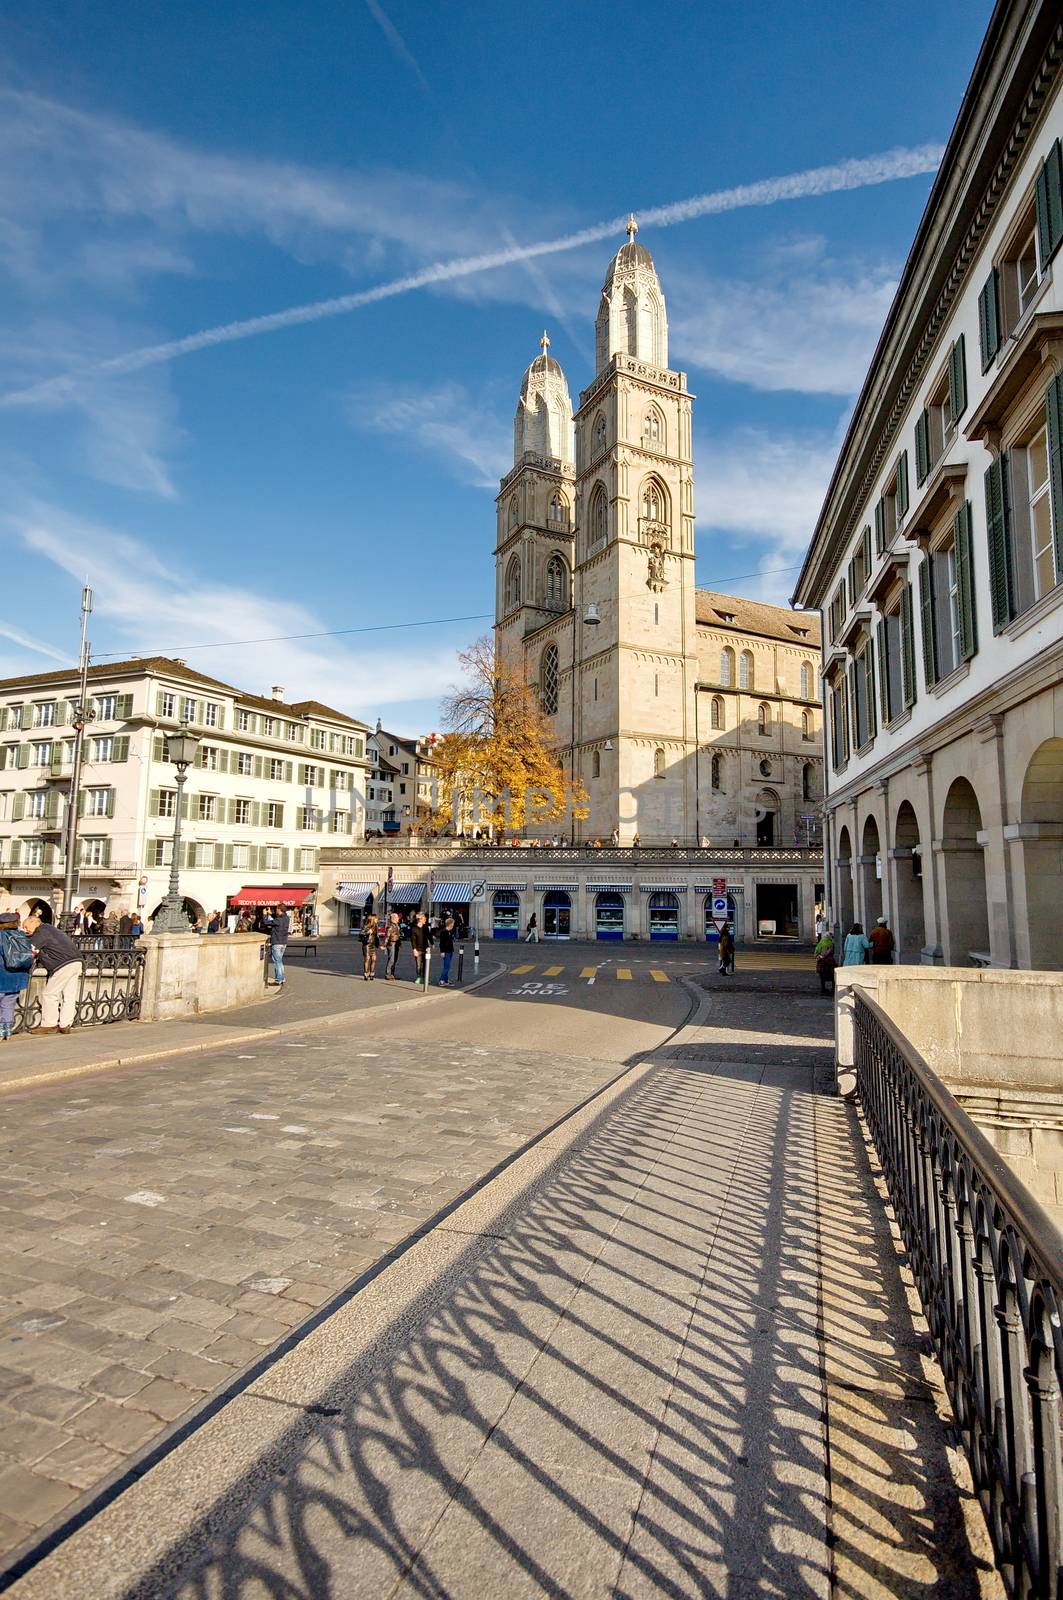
(166, 170)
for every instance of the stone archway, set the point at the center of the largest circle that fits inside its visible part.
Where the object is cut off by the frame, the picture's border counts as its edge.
(963, 868)
(870, 873)
(1041, 832)
(910, 929)
(35, 907)
(844, 872)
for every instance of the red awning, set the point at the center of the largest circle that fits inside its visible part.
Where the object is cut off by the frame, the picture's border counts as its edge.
(272, 897)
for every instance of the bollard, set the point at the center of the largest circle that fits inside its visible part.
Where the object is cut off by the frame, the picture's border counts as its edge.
(461, 965)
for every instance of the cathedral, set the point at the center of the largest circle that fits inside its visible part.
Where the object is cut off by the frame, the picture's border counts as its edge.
(688, 715)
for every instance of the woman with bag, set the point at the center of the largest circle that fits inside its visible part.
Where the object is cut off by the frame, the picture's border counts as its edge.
(16, 964)
(369, 947)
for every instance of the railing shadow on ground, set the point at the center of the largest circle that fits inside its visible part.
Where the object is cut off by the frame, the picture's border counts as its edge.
(622, 1394)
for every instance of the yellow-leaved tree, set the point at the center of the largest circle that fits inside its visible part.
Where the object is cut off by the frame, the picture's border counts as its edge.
(496, 764)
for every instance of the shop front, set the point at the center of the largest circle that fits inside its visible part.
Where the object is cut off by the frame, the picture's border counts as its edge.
(664, 915)
(505, 914)
(358, 900)
(257, 901)
(609, 905)
(557, 915)
(453, 900)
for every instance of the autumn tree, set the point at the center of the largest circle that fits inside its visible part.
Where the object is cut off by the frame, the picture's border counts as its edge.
(496, 763)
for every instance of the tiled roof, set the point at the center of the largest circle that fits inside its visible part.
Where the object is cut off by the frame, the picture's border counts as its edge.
(753, 616)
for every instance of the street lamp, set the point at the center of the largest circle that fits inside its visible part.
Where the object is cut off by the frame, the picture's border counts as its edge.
(182, 751)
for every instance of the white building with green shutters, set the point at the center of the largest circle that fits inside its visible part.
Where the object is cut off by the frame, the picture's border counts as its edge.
(937, 560)
(272, 782)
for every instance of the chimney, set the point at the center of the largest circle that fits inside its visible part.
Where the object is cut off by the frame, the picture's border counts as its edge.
(277, 692)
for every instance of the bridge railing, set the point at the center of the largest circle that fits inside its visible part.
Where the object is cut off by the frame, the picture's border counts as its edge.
(988, 1264)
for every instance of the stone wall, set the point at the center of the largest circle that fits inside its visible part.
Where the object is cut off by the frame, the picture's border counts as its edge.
(186, 974)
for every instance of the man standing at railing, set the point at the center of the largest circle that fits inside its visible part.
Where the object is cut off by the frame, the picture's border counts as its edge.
(59, 956)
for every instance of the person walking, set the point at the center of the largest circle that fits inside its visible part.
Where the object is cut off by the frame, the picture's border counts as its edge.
(136, 925)
(532, 935)
(857, 947)
(446, 950)
(392, 941)
(825, 961)
(280, 927)
(727, 951)
(882, 944)
(420, 942)
(16, 964)
(61, 959)
(369, 947)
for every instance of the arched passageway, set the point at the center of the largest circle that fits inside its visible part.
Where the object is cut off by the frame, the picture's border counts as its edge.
(844, 873)
(1041, 817)
(910, 928)
(870, 873)
(966, 911)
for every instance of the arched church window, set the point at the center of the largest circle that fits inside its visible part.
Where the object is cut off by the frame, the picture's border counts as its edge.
(764, 718)
(513, 511)
(716, 715)
(806, 681)
(513, 583)
(558, 509)
(599, 514)
(548, 679)
(806, 724)
(745, 670)
(599, 433)
(717, 772)
(808, 778)
(658, 763)
(652, 501)
(653, 429)
(596, 764)
(556, 584)
(727, 666)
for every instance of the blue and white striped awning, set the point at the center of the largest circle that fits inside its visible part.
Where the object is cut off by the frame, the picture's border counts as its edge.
(493, 886)
(356, 892)
(609, 888)
(549, 888)
(663, 888)
(452, 894)
(406, 894)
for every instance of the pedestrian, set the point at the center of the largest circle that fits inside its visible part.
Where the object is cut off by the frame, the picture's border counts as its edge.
(446, 949)
(616, 837)
(532, 936)
(125, 924)
(278, 940)
(636, 840)
(214, 925)
(368, 938)
(16, 964)
(825, 961)
(420, 942)
(727, 951)
(137, 925)
(392, 941)
(856, 948)
(882, 944)
(61, 960)
(675, 842)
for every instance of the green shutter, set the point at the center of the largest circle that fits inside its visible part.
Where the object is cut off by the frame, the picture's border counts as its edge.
(190, 853)
(965, 582)
(997, 513)
(120, 748)
(221, 716)
(989, 318)
(869, 690)
(880, 526)
(18, 807)
(230, 811)
(185, 803)
(288, 771)
(62, 709)
(223, 760)
(854, 718)
(106, 862)
(23, 756)
(902, 487)
(1054, 407)
(865, 546)
(158, 704)
(16, 852)
(256, 813)
(219, 857)
(82, 798)
(51, 804)
(156, 748)
(1050, 205)
(922, 447)
(227, 859)
(852, 581)
(835, 730)
(284, 859)
(926, 615)
(123, 707)
(259, 767)
(153, 803)
(280, 817)
(109, 811)
(958, 379)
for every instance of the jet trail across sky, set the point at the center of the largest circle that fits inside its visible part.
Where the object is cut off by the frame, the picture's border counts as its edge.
(854, 174)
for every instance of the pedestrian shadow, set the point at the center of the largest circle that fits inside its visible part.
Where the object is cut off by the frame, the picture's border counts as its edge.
(625, 1391)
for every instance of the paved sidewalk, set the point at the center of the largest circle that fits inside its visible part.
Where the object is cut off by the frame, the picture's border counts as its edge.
(676, 1355)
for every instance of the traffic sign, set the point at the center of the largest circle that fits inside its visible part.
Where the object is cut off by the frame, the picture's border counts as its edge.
(479, 894)
(719, 923)
(719, 886)
(720, 908)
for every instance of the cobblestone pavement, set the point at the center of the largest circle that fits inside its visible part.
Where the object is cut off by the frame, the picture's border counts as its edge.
(163, 1228)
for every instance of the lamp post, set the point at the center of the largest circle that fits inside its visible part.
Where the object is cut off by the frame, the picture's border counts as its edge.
(171, 917)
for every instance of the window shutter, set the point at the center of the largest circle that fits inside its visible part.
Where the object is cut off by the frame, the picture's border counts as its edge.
(227, 859)
(869, 689)
(965, 582)
(62, 709)
(23, 756)
(865, 546)
(185, 799)
(1054, 407)
(230, 811)
(120, 748)
(16, 852)
(835, 732)
(1050, 205)
(82, 799)
(158, 704)
(902, 486)
(109, 807)
(284, 859)
(852, 581)
(926, 614)
(156, 749)
(989, 318)
(280, 817)
(106, 862)
(854, 720)
(958, 379)
(190, 854)
(123, 707)
(256, 813)
(219, 857)
(999, 541)
(922, 447)
(153, 803)
(288, 771)
(259, 767)
(223, 760)
(18, 807)
(198, 760)
(221, 717)
(880, 527)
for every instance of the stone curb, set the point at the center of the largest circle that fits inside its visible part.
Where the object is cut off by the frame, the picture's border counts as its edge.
(60, 1074)
(218, 1469)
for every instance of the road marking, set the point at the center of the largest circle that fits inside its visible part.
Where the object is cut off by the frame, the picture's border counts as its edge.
(527, 968)
(538, 991)
(658, 976)
(623, 972)
(589, 973)
(552, 972)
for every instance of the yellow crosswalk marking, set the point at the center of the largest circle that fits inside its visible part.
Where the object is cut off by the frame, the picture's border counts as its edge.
(658, 976)
(528, 968)
(552, 972)
(623, 972)
(587, 972)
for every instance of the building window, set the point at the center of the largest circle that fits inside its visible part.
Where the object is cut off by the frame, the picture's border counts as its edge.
(44, 714)
(806, 725)
(808, 779)
(305, 818)
(513, 583)
(106, 707)
(513, 511)
(896, 657)
(598, 519)
(167, 802)
(935, 429)
(836, 615)
(317, 738)
(93, 852)
(207, 809)
(41, 752)
(242, 813)
(716, 712)
(210, 714)
(653, 504)
(658, 763)
(557, 512)
(241, 855)
(38, 805)
(727, 666)
(716, 772)
(243, 721)
(839, 726)
(307, 861)
(806, 680)
(98, 802)
(276, 771)
(596, 764)
(763, 718)
(245, 764)
(162, 852)
(556, 584)
(33, 852)
(269, 726)
(188, 710)
(946, 602)
(14, 717)
(203, 853)
(208, 757)
(860, 566)
(166, 705)
(549, 680)
(274, 814)
(599, 434)
(745, 670)
(273, 858)
(653, 430)
(862, 696)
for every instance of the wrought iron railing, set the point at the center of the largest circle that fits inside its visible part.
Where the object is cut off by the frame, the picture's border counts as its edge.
(105, 941)
(111, 990)
(988, 1263)
(546, 855)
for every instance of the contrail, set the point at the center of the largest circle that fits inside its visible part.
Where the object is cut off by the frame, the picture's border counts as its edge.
(854, 174)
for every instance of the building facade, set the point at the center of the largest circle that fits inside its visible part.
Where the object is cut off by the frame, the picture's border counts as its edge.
(380, 814)
(271, 782)
(685, 714)
(412, 780)
(937, 560)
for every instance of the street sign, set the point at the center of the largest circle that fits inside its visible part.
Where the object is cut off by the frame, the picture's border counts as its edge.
(720, 908)
(719, 923)
(719, 886)
(479, 894)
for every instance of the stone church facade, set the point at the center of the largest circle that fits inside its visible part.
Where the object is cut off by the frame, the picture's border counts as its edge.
(687, 714)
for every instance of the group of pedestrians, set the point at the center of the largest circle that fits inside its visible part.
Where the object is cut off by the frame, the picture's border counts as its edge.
(387, 938)
(859, 949)
(23, 946)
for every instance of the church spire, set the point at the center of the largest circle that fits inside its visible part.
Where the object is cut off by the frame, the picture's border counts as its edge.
(543, 423)
(632, 228)
(632, 319)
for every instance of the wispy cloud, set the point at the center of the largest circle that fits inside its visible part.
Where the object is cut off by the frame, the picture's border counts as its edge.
(851, 174)
(397, 42)
(466, 434)
(27, 643)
